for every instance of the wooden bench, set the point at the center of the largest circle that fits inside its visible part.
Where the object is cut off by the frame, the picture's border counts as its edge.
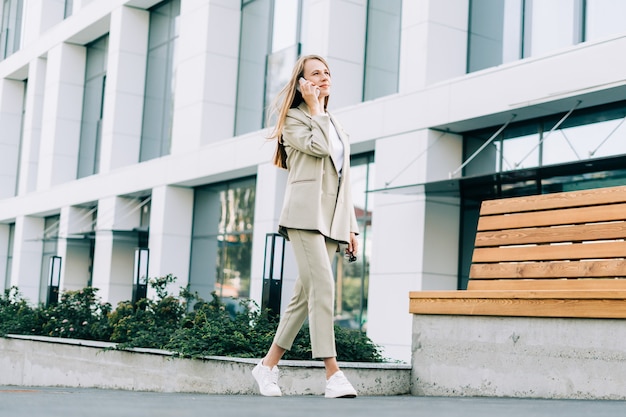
(551, 255)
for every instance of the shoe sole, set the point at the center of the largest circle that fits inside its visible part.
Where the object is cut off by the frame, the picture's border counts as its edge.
(342, 396)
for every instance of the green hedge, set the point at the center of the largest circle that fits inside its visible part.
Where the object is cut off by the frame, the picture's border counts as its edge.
(166, 322)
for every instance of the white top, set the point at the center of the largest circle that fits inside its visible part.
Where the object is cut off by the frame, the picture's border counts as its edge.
(337, 150)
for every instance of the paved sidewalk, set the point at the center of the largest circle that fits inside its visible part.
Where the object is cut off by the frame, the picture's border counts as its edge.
(87, 402)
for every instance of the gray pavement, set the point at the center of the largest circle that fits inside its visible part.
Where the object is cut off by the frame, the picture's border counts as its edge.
(88, 402)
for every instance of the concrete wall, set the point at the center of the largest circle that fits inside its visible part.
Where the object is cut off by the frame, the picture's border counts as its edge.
(46, 361)
(518, 357)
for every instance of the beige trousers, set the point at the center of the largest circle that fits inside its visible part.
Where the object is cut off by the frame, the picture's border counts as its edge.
(314, 294)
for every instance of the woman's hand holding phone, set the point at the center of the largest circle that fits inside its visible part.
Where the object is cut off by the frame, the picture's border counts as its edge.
(302, 82)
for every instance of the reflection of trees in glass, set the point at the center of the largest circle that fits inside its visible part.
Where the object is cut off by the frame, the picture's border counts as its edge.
(234, 249)
(353, 278)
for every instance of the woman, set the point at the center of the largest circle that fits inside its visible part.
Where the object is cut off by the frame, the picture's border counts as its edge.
(317, 216)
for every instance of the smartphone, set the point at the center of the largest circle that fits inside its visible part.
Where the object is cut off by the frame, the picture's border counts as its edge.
(298, 83)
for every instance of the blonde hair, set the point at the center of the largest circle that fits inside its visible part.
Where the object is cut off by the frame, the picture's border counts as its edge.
(288, 98)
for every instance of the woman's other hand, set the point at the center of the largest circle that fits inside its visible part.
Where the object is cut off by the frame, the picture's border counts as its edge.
(353, 245)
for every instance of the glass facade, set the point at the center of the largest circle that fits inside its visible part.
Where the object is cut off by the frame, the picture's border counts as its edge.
(269, 47)
(50, 244)
(93, 104)
(382, 48)
(221, 248)
(9, 266)
(584, 135)
(604, 18)
(156, 134)
(352, 279)
(10, 27)
(502, 31)
(69, 8)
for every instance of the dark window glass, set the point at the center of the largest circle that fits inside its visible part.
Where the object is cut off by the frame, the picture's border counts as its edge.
(158, 108)
(10, 27)
(382, 49)
(93, 103)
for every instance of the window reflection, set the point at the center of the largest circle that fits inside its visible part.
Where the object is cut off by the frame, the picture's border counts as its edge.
(604, 18)
(269, 47)
(221, 252)
(502, 31)
(352, 278)
(156, 133)
(585, 135)
(382, 49)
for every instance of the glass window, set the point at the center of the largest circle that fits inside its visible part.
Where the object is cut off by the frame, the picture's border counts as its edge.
(495, 33)
(221, 250)
(20, 152)
(551, 25)
(69, 7)
(10, 27)
(586, 134)
(520, 152)
(93, 103)
(253, 50)
(158, 108)
(604, 18)
(382, 49)
(9, 266)
(50, 243)
(269, 47)
(352, 279)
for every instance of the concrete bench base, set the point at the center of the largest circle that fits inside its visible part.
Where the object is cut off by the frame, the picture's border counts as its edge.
(55, 362)
(518, 357)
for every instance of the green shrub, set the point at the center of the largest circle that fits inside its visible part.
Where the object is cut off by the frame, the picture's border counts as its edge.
(149, 323)
(78, 315)
(209, 329)
(212, 331)
(16, 315)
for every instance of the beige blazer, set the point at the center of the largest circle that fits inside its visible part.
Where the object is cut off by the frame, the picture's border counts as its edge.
(313, 200)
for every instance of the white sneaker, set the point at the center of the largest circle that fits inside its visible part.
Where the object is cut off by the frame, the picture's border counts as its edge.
(338, 386)
(267, 379)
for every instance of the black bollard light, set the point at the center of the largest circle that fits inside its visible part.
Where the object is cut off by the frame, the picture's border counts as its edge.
(273, 273)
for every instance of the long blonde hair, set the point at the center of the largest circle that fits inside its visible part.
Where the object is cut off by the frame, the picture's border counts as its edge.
(288, 98)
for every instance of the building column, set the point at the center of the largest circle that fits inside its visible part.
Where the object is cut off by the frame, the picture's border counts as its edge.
(63, 107)
(428, 28)
(171, 220)
(11, 109)
(27, 258)
(74, 247)
(430, 260)
(114, 255)
(124, 95)
(343, 24)
(31, 131)
(206, 74)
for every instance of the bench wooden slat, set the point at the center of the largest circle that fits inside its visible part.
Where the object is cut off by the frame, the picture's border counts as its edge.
(539, 294)
(586, 232)
(556, 269)
(521, 307)
(551, 252)
(593, 197)
(546, 284)
(578, 215)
